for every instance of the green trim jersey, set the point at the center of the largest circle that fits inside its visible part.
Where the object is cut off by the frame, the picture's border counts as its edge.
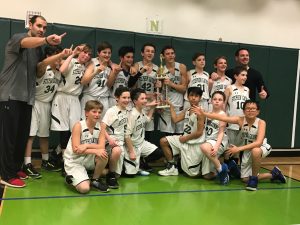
(47, 85)
(199, 80)
(190, 126)
(147, 80)
(220, 85)
(97, 86)
(86, 138)
(236, 102)
(121, 81)
(71, 81)
(116, 121)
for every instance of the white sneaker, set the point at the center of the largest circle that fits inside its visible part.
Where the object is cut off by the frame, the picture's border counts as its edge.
(169, 171)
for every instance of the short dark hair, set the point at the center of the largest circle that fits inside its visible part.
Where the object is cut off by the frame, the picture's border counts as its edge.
(195, 90)
(119, 91)
(238, 69)
(135, 93)
(147, 44)
(250, 101)
(125, 49)
(237, 52)
(218, 58)
(34, 18)
(52, 50)
(196, 55)
(103, 45)
(220, 93)
(167, 47)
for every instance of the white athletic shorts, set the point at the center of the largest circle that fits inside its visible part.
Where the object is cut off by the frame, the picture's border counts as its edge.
(234, 137)
(40, 119)
(207, 165)
(145, 149)
(65, 112)
(246, 165)
(165, 123)
(78, 167)
(191, 155)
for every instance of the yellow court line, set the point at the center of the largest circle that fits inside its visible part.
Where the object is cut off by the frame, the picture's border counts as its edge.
(3, 196)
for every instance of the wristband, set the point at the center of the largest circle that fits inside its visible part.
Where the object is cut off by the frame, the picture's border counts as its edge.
(47, 41)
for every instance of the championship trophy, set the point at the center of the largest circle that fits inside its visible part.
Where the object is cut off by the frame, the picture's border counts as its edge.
(162, 91)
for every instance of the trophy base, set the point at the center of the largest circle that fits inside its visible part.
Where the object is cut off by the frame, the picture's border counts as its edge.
(161, 77)
(162, 106)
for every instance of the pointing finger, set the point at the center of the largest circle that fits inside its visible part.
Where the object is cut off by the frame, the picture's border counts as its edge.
(62, 35)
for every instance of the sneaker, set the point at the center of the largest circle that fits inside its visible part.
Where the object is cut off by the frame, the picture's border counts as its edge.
(145, 166)
(234, 170)
(30, 171)
(252, 183)
(69, 179)
(277, 175)
(50, 166)
(143, 173)
(223, 175)
(170, 170)
(13, 182)
(112, 181)
(100, 185)
(22, 175)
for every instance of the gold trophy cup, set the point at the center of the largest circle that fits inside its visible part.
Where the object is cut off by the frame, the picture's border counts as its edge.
(161, 92)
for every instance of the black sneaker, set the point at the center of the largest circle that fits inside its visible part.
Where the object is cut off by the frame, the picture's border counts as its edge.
(30, 171)
(145, 166)
(100, 185)
(112, 181)
(50, 166)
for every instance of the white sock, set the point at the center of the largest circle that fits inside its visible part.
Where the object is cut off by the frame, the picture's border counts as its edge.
(219, 169)
(45, 157)
(27, 160)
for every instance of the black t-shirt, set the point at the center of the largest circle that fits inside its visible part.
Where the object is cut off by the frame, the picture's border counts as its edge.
(254, 82)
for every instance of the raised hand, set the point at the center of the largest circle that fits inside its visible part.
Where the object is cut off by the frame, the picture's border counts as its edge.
(262, 94)
(55, 39)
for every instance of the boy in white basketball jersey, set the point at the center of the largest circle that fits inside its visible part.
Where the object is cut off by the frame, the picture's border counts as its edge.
(146, 79)
(84, 153)
(236, 95)
(136, 145)
(66, 106)
(113, 128)
(198, 78)
(254, 146)
(48, 78)
(221, 81)
(216, 141)
(187, 145)
(99, 78)
(176, 84)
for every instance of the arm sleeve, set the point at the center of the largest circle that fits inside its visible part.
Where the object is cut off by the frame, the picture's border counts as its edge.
(133, 79)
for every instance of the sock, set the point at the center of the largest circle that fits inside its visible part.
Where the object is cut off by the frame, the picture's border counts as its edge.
(27, 160)
(219, 169)
(45, 157)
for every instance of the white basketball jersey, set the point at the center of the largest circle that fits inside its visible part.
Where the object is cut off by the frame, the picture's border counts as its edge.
(199, 80)
(236, 102)
(175, 97)
(190, 126)
(136, 126)
(86, 138)
(249, 134)
(71, 81)
(47, 85)
(212, 128)
(147, 80)
(220, 85)
(97, 86)
(121, 81)
(116, 121)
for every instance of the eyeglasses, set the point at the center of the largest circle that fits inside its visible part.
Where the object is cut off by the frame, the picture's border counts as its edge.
(250, 109)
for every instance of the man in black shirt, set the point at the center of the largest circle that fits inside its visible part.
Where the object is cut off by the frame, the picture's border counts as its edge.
(254, 80)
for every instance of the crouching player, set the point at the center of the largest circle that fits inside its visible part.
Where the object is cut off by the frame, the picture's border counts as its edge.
(83, 152)
(137, 146)
(255, 146)
(187, 145)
